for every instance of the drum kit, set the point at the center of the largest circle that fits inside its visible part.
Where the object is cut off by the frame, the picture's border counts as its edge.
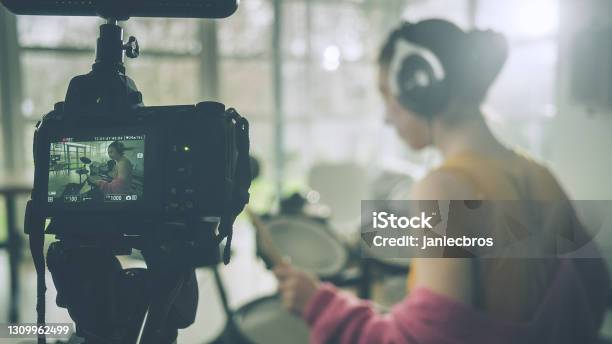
(95, 169)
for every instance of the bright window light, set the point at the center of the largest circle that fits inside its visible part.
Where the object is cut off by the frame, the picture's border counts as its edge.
(538, 18)
(331, 58)
(520, 18)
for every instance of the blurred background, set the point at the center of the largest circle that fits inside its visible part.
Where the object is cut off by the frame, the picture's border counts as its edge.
(304, 73)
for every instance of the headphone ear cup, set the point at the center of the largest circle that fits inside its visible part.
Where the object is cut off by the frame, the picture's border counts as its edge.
(419, 89)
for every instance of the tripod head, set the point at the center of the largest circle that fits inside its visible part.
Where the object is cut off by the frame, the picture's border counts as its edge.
(110, 47)
(106, 90)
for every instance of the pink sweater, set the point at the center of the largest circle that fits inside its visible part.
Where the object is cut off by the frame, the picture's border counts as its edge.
(571, 312)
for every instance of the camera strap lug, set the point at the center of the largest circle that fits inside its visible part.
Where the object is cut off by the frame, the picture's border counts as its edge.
(241, 183)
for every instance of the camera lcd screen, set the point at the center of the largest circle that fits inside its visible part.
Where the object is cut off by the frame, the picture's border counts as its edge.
(98, 169)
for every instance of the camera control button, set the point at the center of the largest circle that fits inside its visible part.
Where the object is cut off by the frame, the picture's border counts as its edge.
(184, 171)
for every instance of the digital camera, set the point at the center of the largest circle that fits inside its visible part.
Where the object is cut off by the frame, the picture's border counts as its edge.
(159, 163)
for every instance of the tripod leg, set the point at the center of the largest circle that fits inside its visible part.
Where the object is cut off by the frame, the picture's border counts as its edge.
(133, 302)
(84, 280)
(183, 311)
(174, 299)
(107, 303)
(230, 333)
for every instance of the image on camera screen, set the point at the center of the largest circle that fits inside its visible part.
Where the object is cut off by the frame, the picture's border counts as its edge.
(101, 169)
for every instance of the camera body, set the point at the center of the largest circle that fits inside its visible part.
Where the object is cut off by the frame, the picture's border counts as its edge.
(176, 162)
(164, 172)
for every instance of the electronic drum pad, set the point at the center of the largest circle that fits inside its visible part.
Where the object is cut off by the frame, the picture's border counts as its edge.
(310, 245)
(265, 321)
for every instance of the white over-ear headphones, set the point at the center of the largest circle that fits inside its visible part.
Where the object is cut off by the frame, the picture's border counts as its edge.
(417, 78)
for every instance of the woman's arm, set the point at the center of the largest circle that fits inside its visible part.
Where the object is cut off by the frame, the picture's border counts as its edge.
(334, 316)
(338, 317)
(425, 317)
(451, 277)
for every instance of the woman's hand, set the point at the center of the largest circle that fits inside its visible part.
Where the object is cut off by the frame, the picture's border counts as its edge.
(296, 287)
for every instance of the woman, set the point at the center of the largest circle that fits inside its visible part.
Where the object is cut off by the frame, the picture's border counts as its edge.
(457, 300)
(121, 174)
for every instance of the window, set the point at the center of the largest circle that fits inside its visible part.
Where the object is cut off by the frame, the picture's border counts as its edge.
(331, 106)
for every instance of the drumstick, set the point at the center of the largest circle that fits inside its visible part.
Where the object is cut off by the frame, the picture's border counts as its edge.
(269, 250)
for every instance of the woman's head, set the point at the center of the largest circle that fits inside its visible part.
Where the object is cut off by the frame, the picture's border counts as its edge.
(115, 150)
(470, 62)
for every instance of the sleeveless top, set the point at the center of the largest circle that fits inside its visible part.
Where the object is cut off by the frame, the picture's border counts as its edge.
(510, 288)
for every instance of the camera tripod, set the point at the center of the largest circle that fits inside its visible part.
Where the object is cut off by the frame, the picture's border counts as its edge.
(108, 303)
